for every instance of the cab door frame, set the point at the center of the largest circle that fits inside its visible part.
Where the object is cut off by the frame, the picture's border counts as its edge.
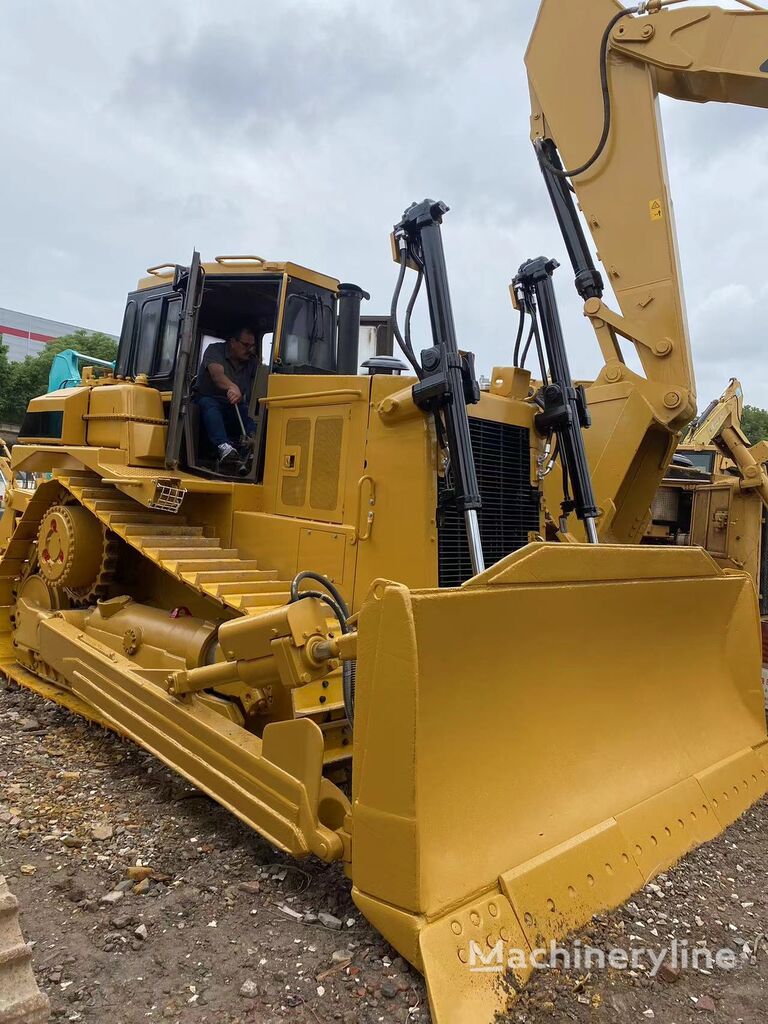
(189, 283)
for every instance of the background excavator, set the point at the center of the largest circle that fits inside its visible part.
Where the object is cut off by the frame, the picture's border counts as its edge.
(376, 597)
(715, 495)
(610, 142)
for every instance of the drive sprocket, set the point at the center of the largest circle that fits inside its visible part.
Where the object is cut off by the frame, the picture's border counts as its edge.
(76, 554)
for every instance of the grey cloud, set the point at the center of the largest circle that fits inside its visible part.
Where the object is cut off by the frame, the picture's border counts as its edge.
(291, 68)
(299, 66)
(301, 130)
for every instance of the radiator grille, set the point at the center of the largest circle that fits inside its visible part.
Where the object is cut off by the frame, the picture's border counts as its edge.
(510, 504)
(666, 505)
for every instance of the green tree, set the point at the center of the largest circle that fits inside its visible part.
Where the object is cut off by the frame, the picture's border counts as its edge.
(754, 423)
(5, 384)
(29, 378)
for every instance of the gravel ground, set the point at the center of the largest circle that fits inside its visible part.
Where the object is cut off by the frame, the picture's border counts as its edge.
(145, 901)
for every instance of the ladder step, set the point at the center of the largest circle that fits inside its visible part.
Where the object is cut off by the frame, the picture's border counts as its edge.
(95, 493)
(248, 583)
(156, 542)
(258, 604)
(209, 557)
(194, 568)
(79, 477)
(118, 518)
(116, 505)
(250, 602)
(142, 530)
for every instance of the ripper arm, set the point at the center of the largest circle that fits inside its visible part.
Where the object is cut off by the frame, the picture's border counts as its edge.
(622, 190)
(720, 425)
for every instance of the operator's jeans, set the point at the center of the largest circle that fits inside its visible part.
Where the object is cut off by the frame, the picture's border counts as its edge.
(220, 420)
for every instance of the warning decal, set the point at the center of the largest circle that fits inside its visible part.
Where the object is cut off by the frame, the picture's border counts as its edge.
(657, 212)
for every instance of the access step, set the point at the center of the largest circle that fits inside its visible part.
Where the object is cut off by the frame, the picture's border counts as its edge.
(140, 531)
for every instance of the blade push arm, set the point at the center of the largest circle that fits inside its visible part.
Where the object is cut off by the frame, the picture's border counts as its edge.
(691, 53)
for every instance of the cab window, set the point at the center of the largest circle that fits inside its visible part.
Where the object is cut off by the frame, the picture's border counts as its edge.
(308, 343)
(166, 353)
(127, 332)
(148, 330)
(702, 460)
(149, 337)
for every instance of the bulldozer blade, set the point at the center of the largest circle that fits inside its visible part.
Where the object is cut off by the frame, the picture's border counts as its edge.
(532, 748)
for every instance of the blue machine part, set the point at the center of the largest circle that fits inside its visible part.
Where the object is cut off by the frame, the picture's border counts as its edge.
(66, 367)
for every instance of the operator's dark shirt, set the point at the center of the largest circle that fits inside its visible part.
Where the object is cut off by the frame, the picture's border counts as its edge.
(241, 375)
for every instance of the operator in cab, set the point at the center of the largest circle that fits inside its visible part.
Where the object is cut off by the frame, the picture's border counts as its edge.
(224, 385)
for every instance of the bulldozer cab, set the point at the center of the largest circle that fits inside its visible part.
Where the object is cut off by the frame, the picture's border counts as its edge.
(176, 312)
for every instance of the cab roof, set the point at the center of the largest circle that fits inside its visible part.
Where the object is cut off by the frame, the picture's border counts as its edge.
(239, 266)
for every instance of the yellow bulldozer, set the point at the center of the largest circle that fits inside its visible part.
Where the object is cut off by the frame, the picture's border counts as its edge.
(377, 584)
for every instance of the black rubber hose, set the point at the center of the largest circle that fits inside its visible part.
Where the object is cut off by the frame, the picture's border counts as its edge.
(519, 338)
(409, 313)
(527, 348)
(393, 316)
(324, 582)
(327, 599)
(606, 91)
(338, 606)
(539, 349)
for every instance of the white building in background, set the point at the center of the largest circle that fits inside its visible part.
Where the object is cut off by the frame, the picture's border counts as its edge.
(26, 335)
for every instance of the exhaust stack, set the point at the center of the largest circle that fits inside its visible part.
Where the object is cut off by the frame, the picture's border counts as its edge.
(350, 297)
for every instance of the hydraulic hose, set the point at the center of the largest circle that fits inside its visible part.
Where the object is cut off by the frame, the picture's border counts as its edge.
(606, 91)
(409, 312)
(339, 607)
(519, 338)
(401, 341)
(526, 350)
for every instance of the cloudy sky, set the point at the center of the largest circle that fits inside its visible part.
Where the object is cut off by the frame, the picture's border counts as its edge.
(300, 130)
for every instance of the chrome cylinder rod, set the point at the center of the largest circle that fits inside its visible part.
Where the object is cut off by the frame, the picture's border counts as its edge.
(475, 544)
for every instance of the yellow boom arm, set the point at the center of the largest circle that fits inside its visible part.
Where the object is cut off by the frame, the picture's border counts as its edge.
(699, 54)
